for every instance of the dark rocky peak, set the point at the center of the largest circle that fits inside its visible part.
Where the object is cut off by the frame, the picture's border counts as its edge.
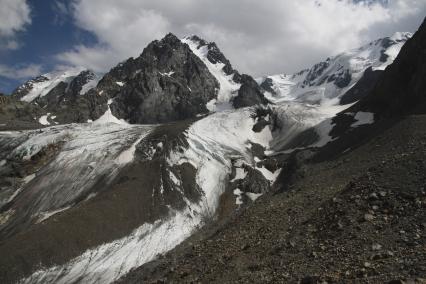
(249, 93)
(170, 39)
(268, 85)
(362, 87)
(161, 54)
(167, 82)
(402, 87)
(164, 53)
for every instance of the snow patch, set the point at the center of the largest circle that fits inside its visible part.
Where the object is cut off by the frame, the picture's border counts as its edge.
(90, 85)
(240, 174)
(168, 74)
(253, 196)
(128, 155)
(270, 176)
(238, 193)
(43, 120)
(174, 179)
(108, 117)
(363, 118)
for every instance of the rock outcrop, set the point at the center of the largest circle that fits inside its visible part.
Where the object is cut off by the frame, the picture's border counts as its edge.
(401, 89)
(167, 82)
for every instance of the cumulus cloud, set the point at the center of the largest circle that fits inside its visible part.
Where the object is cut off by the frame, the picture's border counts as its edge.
(20, 72)
(14, 16)
(259, 37)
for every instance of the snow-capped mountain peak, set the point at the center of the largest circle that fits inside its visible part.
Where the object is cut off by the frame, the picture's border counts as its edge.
(42, 85)
(328, 80)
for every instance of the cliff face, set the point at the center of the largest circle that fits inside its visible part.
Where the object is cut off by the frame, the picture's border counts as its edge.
(401, 88)
(166, 83)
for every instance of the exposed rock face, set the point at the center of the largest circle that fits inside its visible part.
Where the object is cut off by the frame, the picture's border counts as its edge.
(401, 89)
(214, 55)
(15, 114)
(362, 87)
(65, 96)
(249, 94)
(317, 75)
(166, 83)
(68, 102)
(268, 85)
(76, 86)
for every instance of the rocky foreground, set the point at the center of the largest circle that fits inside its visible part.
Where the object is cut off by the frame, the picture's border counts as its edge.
(357, 218)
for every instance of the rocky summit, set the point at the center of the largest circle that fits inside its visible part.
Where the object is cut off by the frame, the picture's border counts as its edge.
(166, 83)
(173, 167)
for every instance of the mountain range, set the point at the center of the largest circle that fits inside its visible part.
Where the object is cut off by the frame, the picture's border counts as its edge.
(174, 167)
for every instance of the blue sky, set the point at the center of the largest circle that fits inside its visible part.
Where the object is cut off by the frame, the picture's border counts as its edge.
(284, 36)
(51, 31)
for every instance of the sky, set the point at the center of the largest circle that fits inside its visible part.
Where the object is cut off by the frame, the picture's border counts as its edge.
(258, 37)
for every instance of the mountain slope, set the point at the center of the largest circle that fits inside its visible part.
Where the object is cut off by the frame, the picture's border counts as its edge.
(167, 82)
(401, 89)
(62, 95)
(235, 90)
(15, 114)
(349, 211)
(327, 81)
(355, 219)
(103, 197)
(77, 80)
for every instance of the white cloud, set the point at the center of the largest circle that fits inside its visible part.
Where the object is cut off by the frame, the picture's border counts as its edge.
(61, 10)
(14, 16)
(259, 37)
(20, 72)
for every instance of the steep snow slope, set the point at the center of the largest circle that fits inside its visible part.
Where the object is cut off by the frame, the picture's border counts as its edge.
(326, 81)
(228, 87)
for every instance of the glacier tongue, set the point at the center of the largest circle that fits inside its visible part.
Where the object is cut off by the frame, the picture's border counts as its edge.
(87, 152)
(212, 142)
